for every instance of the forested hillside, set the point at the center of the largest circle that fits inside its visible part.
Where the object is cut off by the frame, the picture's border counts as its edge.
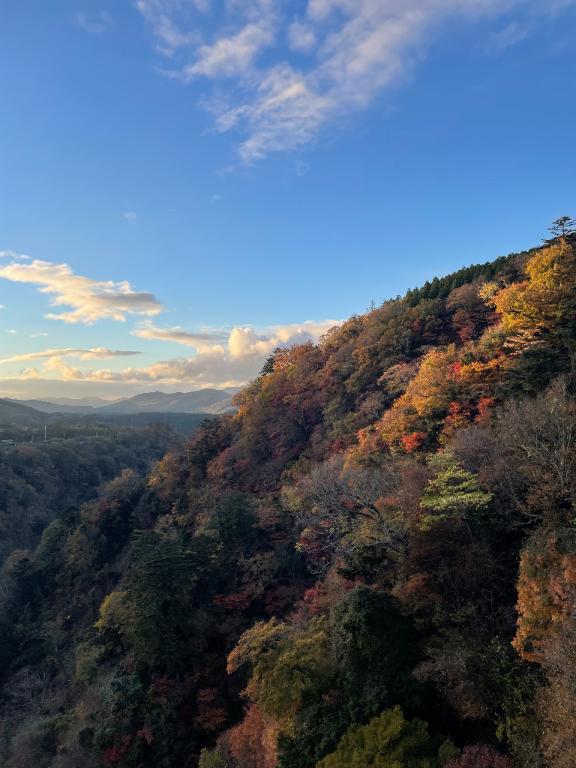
(371, 563)
(38, 481)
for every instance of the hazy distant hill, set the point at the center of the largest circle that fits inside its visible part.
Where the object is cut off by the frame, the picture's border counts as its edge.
(46, 406)
(18, 414)
(203, 401)
(80, 402)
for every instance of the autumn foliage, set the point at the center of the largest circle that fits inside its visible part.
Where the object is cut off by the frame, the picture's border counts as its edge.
(371, 562)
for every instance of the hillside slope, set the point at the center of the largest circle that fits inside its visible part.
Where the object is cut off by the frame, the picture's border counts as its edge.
(370, 563)
(40, 481)
(52, 407)
(16, 414)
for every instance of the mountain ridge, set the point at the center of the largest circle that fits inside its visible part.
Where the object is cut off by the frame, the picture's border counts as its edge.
(208, 400)
(215, 400)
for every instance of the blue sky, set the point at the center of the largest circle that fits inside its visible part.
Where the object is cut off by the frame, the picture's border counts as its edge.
(194, 182)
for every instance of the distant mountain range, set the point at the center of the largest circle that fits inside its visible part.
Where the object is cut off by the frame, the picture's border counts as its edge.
(45, 406)
(201, 401)
(77, 402)
(206, 401)
(12, 412)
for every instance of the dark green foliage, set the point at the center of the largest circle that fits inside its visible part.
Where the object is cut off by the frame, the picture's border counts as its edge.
(536, 368)
(372, 650)
(162, 581)
(319, 727)
(439, 288)
(562, 227)
(233, 522)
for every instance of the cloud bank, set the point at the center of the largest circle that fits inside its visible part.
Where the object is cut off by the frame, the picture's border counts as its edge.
(215, 365)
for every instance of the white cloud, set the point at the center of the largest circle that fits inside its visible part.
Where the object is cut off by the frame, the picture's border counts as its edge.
(2, 306)
(96, 353)
(95, 24)
(130, 216)
(89, 300)
(232, 364)
(356, 50)
(38, 335)
(12, 331)
(245, 342)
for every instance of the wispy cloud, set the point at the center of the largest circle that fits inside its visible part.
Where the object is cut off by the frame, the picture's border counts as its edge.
(13, 256)
(169, 21)
(178, 335)
(96, 353)
(301, 37)
(513, 33)
(130, 216)
(94, 24)
(347, 53)
(89, 300)
(229, 56)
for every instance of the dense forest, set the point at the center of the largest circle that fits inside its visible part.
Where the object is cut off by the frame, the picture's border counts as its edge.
(20, 423)
(38, 481)
(371, 563)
